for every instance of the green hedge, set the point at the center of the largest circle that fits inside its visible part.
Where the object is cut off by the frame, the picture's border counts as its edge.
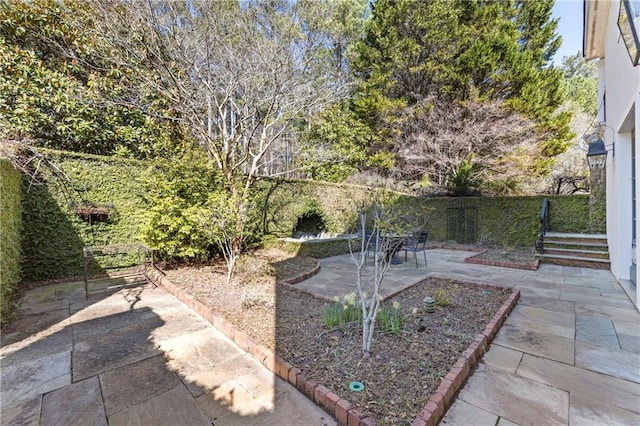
(501, 221)
(54, 234)
(10, 235)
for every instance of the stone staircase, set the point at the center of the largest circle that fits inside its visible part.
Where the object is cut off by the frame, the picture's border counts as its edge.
(584, 250)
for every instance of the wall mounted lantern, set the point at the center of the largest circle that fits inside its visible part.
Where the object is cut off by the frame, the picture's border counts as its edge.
(629, 24)
(594, 144)
(597, 154)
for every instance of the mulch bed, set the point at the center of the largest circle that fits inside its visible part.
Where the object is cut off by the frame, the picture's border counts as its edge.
(404, 369)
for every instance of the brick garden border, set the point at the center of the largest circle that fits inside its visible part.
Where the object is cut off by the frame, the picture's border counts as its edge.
(333, 404)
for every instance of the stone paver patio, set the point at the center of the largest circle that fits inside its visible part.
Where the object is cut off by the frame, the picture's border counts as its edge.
(568, 354)
(135, 357)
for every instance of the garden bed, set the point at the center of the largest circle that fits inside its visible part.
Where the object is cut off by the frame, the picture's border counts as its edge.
(404, 370)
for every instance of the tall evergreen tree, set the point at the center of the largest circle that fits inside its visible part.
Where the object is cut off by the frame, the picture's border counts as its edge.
(461, 51)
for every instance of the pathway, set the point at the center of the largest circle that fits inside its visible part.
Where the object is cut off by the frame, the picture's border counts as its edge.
(135, 357)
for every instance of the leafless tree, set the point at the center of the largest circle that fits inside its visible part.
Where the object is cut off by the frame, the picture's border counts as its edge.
(439, 135)
(238, 74)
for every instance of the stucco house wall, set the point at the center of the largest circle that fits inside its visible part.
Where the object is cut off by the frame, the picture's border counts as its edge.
(619, 92)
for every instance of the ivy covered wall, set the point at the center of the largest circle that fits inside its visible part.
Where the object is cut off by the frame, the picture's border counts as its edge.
(57, 220)
(54, 233)
(10, 232)
(501, 221)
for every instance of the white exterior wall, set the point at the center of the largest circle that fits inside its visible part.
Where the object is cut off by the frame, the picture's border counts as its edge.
(621, 82)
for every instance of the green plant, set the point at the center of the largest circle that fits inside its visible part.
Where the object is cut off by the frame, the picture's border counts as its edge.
(342, 312)
(442, 297)
(391, 318)
(11, 235)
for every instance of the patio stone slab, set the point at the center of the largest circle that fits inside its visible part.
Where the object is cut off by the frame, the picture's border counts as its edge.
(462, 413)
(629, 314)
(627, 327)
(283, 404)
(125, 345)
(591, 412)
(22, 412)
(580, 383)
(541, 344)
(206, 359)
(545, 316)
(594, 281)
(26, 379)
(31, 324)
(629, 343)
(173, 323)
(521, 322)
(502, 358)
(77, 404)
(46, 342)
(598, 331)
(616, 363)
(518, 399)
(546, 303)
(596, 300)
(175, 407)
(136, 383)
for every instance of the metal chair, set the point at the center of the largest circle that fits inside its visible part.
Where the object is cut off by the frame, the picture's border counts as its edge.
(415, 246)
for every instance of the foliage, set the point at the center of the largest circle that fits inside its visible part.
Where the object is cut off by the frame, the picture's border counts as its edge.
(349, 310)
(11, 235)
(179, 192)
(442, 297)
(338, 144)
(342, 311)
(56, 89)
(580, 82)
(391, 318)
(418, 56)
(54, 235)
(465, 178)
(240, 76)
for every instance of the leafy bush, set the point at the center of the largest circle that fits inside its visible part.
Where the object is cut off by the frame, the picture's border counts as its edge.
(178, 192)
(10, 237)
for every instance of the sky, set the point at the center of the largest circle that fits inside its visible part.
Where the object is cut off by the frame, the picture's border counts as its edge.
(569, 27)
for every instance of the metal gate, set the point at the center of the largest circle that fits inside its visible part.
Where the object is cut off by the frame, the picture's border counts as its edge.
(462, 221)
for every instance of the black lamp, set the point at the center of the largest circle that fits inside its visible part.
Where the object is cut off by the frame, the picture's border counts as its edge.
(597, 154)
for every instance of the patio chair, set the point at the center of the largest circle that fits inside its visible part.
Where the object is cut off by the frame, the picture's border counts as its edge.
(416, 245)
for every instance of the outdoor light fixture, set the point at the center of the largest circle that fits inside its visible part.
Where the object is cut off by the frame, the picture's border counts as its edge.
(594, 144)
(629, 24)
(597, 154)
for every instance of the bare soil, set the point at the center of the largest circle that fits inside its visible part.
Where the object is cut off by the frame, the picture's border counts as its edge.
(404, 369)
(522, 255)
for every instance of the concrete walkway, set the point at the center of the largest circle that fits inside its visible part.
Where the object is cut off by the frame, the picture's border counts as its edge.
(136, 357)
(568, 354)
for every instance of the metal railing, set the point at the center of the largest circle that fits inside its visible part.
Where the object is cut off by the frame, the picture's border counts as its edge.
(544, 225)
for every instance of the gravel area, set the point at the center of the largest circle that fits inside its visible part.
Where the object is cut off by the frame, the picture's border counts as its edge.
(404, 369)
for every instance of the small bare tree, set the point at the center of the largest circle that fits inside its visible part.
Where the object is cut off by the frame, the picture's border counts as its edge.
(383, 241)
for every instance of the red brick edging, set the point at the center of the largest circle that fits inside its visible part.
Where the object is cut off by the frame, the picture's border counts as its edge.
(303, 276)
(333, 404)
(527, 266)
(442, 398)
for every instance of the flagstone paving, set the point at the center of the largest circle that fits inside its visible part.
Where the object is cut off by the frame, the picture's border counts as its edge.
(135, 357)
(569, 354)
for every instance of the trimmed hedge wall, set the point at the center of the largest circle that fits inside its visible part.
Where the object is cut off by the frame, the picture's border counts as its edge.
(54, 234)
(10, 241)
(502, 221)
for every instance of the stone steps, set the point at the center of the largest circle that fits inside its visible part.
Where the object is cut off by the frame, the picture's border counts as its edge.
(573, 249)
